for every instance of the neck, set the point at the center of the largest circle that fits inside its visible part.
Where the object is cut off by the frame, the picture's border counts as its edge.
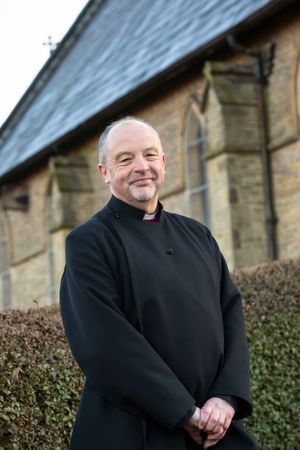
(148, 206)
(148, 209)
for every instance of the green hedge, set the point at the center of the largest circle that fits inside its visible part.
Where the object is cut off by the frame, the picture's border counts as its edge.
(40, 383)
(271, 295)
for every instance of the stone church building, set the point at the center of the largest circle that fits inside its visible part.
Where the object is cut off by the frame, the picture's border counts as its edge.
(220, 80)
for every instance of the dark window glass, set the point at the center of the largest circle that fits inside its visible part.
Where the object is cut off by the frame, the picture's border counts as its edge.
(196, 170)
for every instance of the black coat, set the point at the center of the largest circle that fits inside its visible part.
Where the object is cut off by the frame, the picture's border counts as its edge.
(156, 325)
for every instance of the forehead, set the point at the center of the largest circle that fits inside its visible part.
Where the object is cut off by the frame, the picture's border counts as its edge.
(132, 136)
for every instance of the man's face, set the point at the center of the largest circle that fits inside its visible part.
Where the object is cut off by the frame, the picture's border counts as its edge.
(135, 165)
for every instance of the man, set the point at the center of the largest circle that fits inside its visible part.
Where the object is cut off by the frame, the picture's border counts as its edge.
(152, 316)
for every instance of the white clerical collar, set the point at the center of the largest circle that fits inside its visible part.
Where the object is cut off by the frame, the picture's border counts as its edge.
(150, 216)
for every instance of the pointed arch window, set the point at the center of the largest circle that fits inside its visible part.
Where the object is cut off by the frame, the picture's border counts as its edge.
(195, 165)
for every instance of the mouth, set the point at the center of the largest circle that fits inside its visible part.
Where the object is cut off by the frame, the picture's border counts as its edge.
(141, 181)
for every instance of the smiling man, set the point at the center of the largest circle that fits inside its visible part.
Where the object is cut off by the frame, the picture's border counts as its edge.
(132, 163)
(152, 316)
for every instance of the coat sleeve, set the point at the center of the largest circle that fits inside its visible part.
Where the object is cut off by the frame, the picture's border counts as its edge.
(115, 358)
(233, 378)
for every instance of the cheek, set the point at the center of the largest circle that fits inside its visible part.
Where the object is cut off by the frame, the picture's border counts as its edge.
(160, 170)
(119, 176)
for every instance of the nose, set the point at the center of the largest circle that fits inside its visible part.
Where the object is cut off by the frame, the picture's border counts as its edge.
(141, 164)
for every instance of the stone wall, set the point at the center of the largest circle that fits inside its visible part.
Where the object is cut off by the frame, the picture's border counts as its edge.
(30, 282)
(34, 233)
(286, 170)
(27, 226)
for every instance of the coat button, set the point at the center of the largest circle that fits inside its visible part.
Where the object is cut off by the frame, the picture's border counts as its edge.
(117, 215)
(170, 251)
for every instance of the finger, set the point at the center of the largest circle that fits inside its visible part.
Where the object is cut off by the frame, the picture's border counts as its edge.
(222, 435)
(227, 422)
(219, 435)
(210, 441)
(208, 444)
(213, 439)
(213, 421)
(196, 436)
(220, 425)
(198, 439)
(205, 413)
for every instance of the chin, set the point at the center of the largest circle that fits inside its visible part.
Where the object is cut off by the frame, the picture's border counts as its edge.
(143, 195)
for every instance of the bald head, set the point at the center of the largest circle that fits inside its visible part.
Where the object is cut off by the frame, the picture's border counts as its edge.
(113, 128)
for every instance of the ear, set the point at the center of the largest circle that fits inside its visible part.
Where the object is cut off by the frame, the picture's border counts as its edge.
(164, 162)
(104, 173)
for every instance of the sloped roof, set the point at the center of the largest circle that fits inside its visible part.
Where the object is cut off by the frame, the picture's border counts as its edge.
(113, 49)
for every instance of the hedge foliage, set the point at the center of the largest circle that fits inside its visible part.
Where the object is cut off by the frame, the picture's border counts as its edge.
(271, 295)
(40, 383)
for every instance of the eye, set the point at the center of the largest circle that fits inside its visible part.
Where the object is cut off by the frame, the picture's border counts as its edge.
(151, 156)
(125, 160)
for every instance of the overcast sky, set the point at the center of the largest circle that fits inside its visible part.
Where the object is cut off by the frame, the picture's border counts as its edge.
(24, 26)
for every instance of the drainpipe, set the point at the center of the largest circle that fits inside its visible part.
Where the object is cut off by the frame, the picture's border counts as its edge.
(261, 75)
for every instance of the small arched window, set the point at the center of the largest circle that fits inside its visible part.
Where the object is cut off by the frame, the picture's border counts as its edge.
(195, 165)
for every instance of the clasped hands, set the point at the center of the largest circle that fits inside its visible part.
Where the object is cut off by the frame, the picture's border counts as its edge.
(214, 418)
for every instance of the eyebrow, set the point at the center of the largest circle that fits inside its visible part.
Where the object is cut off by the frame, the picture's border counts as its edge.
(128, 152)
(118, 155)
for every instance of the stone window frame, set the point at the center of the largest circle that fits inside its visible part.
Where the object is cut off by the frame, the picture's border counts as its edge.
(5, 256)
(193, 109)
(52, 292)
(297, 90)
